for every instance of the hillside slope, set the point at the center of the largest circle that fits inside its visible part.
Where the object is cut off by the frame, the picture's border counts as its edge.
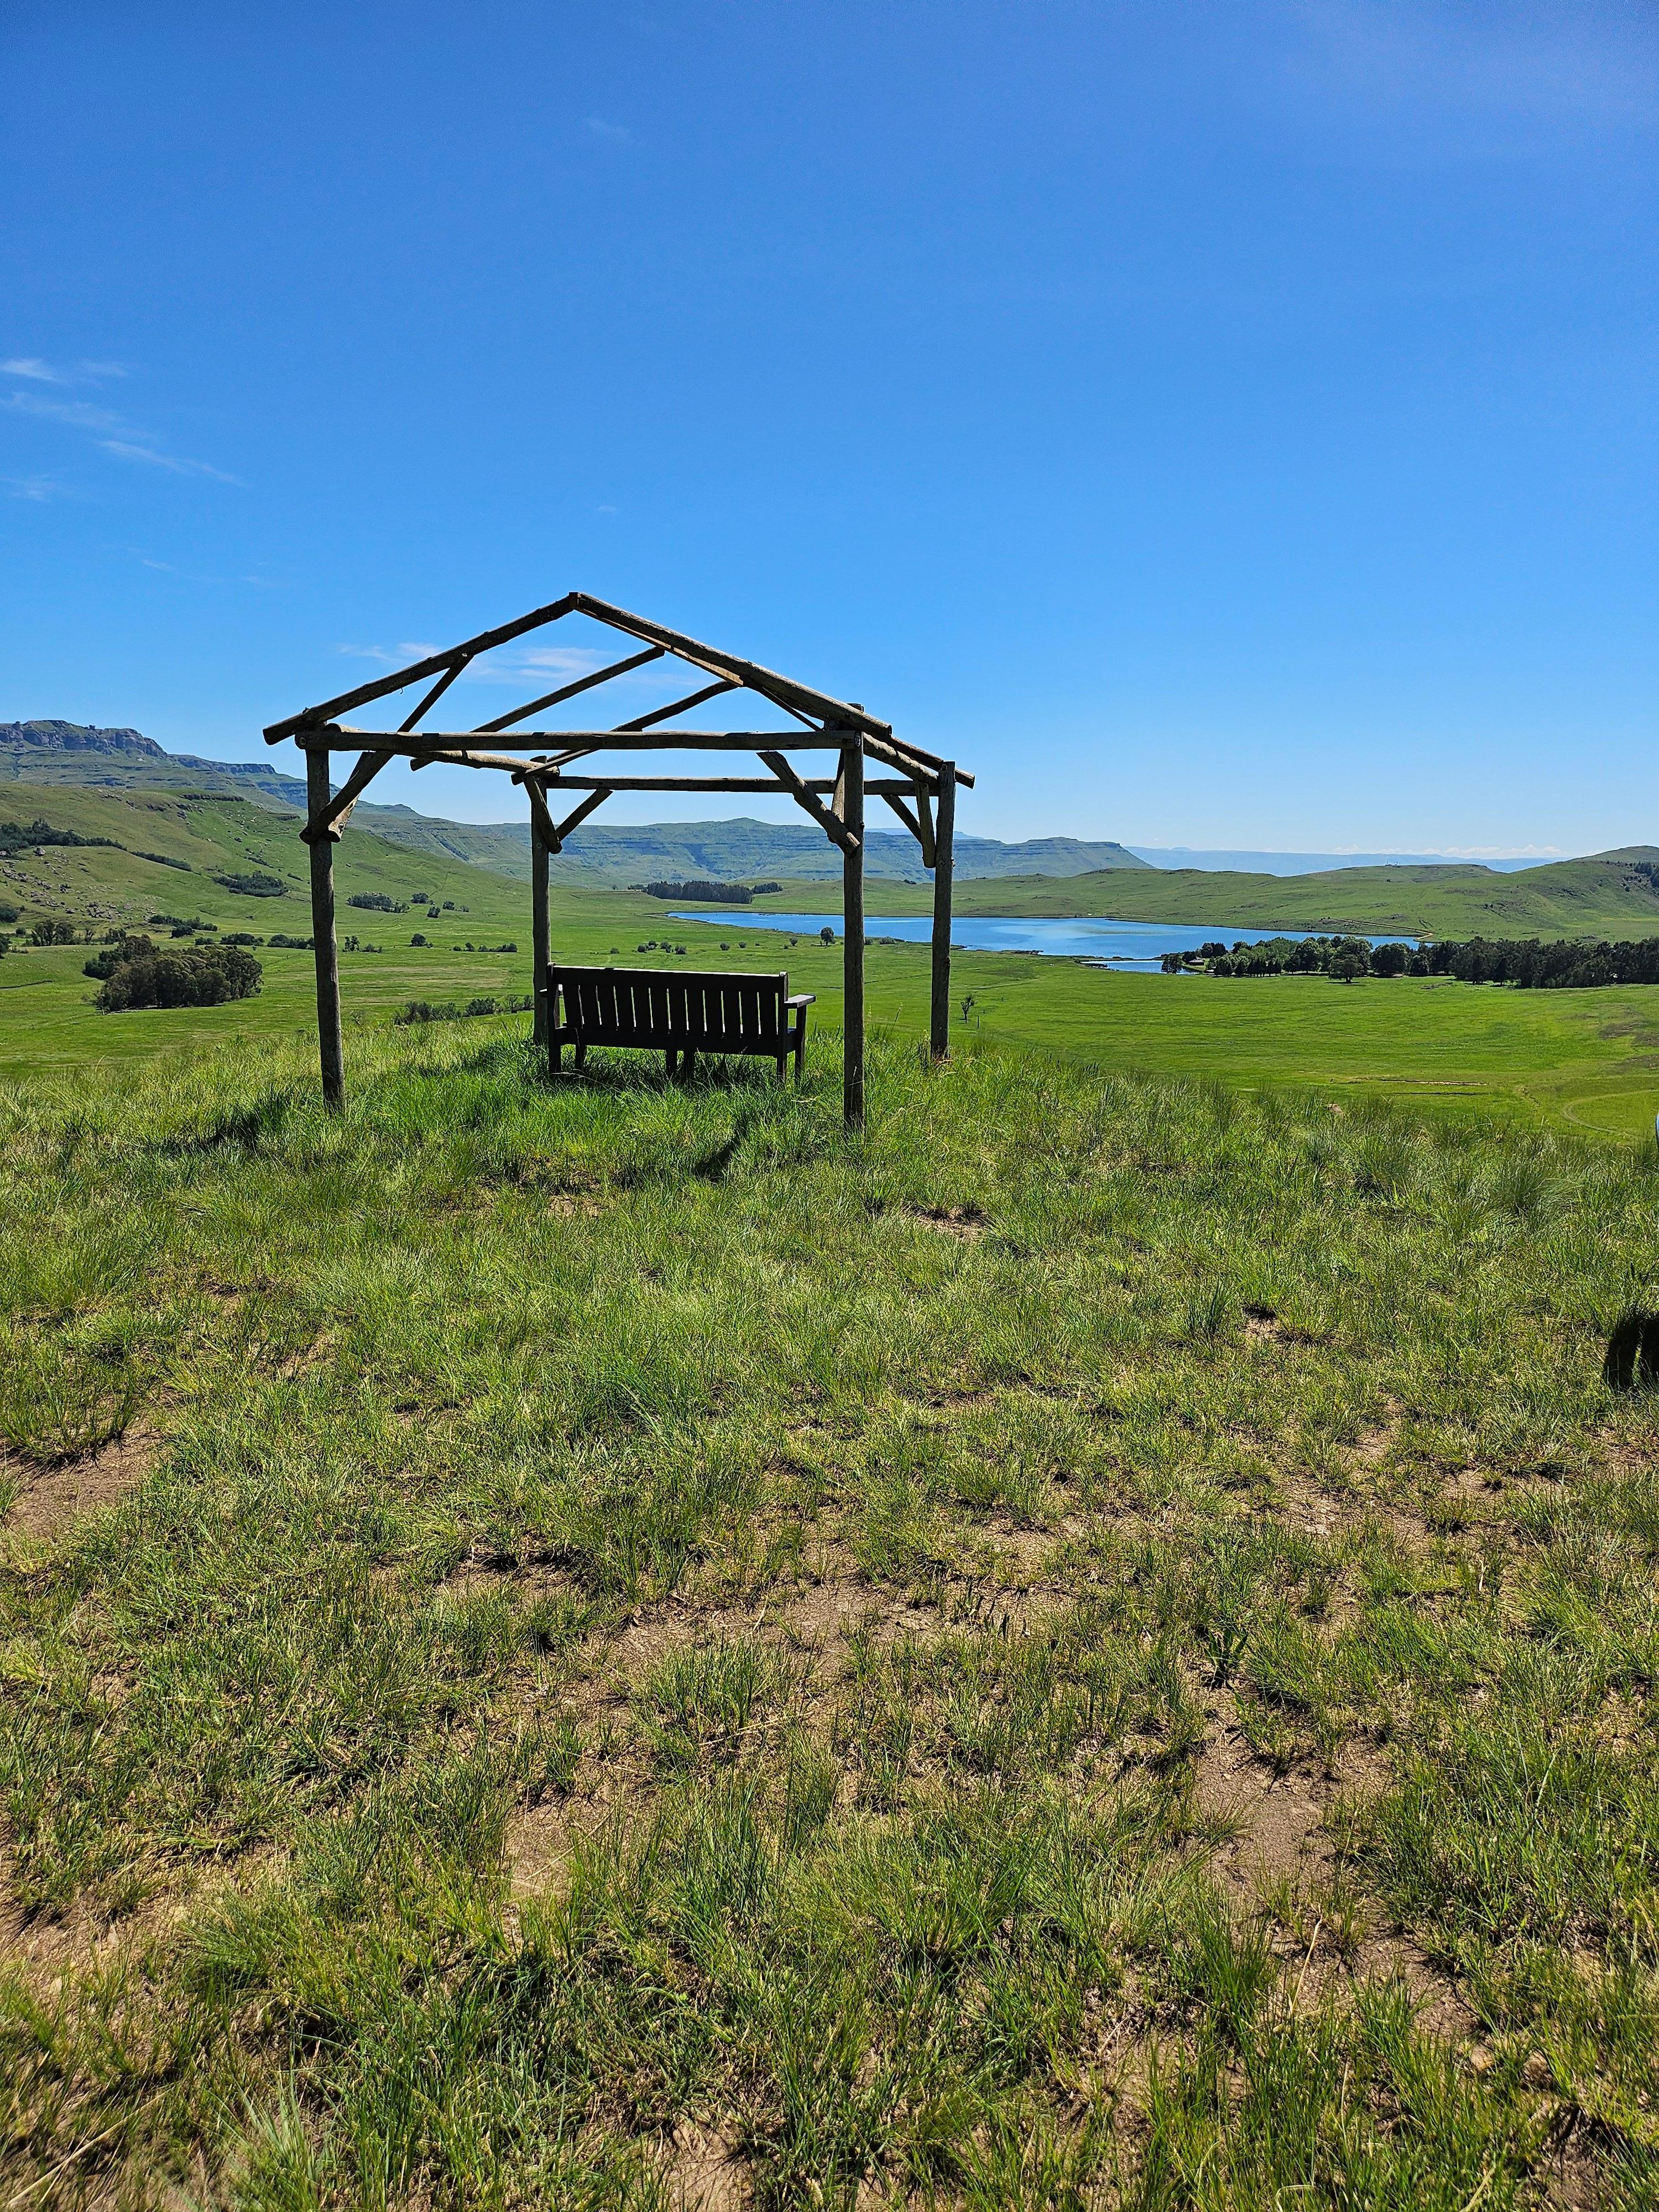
(167, 852)
(1608, 894)
(742, 850)
(82, 755)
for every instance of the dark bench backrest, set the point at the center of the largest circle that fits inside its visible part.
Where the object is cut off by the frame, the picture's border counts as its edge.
(651, 1006)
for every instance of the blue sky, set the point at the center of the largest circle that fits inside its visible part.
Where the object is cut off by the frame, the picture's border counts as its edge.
(1217, 424)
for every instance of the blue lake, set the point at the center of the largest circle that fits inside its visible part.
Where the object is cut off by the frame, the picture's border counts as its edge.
(1124, 943)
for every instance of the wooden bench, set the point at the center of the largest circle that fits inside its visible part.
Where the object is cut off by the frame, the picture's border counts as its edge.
(678, 1011)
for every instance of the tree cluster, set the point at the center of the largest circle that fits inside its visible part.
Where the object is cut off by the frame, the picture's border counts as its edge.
(260, 884)
(1343, 958)
(138, 975)
(23, 836)
(709, 893)
(1566, 963)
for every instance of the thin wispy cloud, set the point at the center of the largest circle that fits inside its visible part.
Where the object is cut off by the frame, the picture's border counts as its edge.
(38, 488)
(113, 434)
(43, 372)
(607, 134)
(78, 414)
(124, 450)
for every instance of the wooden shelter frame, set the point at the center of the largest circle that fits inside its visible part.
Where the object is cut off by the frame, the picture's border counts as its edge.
(921, 791)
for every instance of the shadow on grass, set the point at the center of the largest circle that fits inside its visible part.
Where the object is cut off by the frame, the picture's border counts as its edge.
(1632, 1360)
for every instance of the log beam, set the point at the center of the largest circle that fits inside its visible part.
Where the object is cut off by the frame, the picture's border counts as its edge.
(805, 795)
(337, 812)
(330, 1044)
(849, 807)
(944, 838)
(569, 690)
(540, 939)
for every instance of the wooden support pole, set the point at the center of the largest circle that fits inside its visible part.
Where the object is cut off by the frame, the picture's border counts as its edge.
(945, 839)
(540, 947)
(850, 810)
(330, 1044)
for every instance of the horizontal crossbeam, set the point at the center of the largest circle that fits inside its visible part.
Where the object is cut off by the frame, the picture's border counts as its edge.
(431, 745)
(555, 780)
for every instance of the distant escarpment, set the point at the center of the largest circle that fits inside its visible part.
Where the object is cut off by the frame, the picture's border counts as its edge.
(78, 738)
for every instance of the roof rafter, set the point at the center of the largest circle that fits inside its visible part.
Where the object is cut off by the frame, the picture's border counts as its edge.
(801, 701)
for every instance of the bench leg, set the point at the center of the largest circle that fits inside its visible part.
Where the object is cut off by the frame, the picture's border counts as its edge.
(801, 1046)
(668, 1059)
(555, 1055)
(688, 1061)
(782, 1059)
(581, 1053)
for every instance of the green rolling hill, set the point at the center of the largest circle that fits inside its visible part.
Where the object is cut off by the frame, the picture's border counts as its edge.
(167, 852)
(1610, 895)
(122, 761)
(68, 771)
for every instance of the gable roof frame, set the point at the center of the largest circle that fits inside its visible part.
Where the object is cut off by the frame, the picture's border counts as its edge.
(921, 793)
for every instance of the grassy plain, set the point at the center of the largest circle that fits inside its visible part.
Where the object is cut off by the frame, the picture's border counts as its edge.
(603, 1643)
(1579, 1059)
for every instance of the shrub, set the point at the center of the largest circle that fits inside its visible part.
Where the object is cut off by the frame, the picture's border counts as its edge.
(281, 944)
(166, 861)
(417, 938)
(258, 884)
(8, 911)
(419, 1011)
(206, 976)
(377, 902)
(52, 933)
(242, 937)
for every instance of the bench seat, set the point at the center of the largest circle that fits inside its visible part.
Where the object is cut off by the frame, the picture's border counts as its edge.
(678, 1011)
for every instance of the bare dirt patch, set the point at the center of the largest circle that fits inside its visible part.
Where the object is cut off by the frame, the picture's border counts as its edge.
(965, 1221)
(703, 2172)
(1277, 1820)
(49, 1497)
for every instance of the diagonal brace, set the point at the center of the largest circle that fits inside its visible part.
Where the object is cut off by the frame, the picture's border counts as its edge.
(432, 696)
(331, 819)
(919, 824)
(554, 833)
(569, 690)
(681, 706)
(833, 828)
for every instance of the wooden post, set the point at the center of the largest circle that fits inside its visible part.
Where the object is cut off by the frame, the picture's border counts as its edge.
(330, 1043)
(944, 838)
(851, 810)
(540, 950)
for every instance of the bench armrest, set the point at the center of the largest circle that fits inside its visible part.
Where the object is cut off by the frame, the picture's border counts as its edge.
(803, 999)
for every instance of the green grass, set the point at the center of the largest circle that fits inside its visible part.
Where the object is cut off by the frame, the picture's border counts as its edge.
(1578, 1059)
(1603, 897)
(1581, 1059)
(1094, 1646)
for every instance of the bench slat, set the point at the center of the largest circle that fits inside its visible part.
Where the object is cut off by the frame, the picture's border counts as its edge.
(679, 1010)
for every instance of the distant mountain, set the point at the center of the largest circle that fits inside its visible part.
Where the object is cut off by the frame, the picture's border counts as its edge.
(124, 760)
(742, 851)
(76, 738)
(739, 851)
(1310, 864)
